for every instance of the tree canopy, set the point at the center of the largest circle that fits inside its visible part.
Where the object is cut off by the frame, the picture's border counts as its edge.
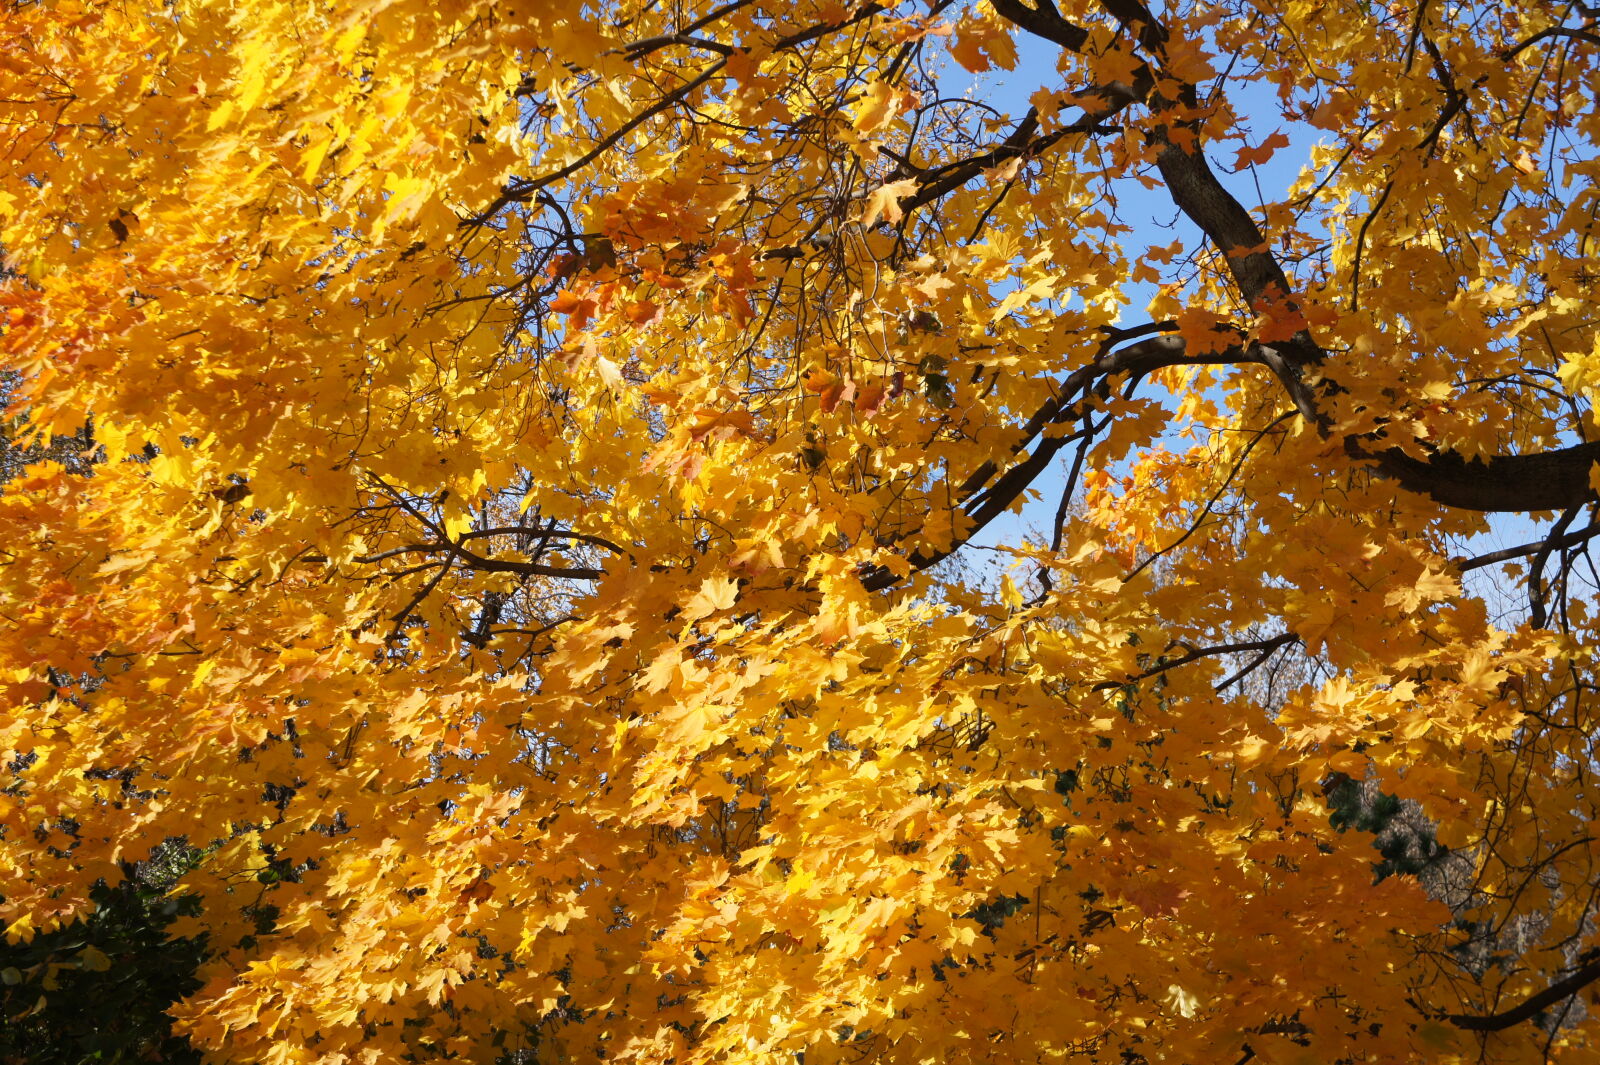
(493, 493)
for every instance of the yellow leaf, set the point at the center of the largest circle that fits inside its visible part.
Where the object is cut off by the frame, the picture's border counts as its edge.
(884, 202)
(663, 669)
(94, 959)
(716, 593)
(881, 104)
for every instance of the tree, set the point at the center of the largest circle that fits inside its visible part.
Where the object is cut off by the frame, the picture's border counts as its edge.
(97, 989)
(509, 548)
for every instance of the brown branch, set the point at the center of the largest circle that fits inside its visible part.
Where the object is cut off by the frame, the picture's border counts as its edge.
(638, 49)
(521, 192)
(1530, 1007)
(1136, 16)
(1254, 664)
(1572, 539)
(1269, 645)
(1546, 34)
(1502, 484)
(457, 553)
(532, 569)
(1043, 21)
(552, 532)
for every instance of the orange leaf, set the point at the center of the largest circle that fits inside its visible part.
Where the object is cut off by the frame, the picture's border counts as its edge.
(1256, 156)
(578, 309)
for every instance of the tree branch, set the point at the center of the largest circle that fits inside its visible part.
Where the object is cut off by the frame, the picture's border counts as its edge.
(522, 191)
(1551, 480)
(1572, 539)
(1530, 1007)
(983, 504)
(1502, 484)
(1267, 645)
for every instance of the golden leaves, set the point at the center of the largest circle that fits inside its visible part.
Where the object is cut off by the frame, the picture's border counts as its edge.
(510, 562)
(1429, 587)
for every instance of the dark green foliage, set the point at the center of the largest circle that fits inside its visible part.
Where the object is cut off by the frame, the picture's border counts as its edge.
(992, 914)
(97, 990)
(1404, 838)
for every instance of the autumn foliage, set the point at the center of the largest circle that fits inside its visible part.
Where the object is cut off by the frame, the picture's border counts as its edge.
(513, 556)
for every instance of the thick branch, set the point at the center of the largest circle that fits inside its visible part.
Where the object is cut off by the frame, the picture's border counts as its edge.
(1198, 193)
(1553, 480)
(1043, 21)
(1502, 484)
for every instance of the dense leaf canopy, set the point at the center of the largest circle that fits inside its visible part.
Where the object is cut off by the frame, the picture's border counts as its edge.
(532, 525)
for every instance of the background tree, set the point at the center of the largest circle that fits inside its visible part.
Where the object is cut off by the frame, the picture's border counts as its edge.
(97, 989)
(526, 442)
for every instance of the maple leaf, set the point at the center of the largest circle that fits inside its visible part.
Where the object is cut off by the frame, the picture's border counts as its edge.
(716, 593)
(884, 202)
(578, 309)
(716, 423)
(663, 669)
(1262, 152)
(1430, 586)
(880, 105)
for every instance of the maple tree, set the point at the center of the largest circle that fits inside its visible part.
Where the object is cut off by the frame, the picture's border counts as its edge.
(512, 558)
